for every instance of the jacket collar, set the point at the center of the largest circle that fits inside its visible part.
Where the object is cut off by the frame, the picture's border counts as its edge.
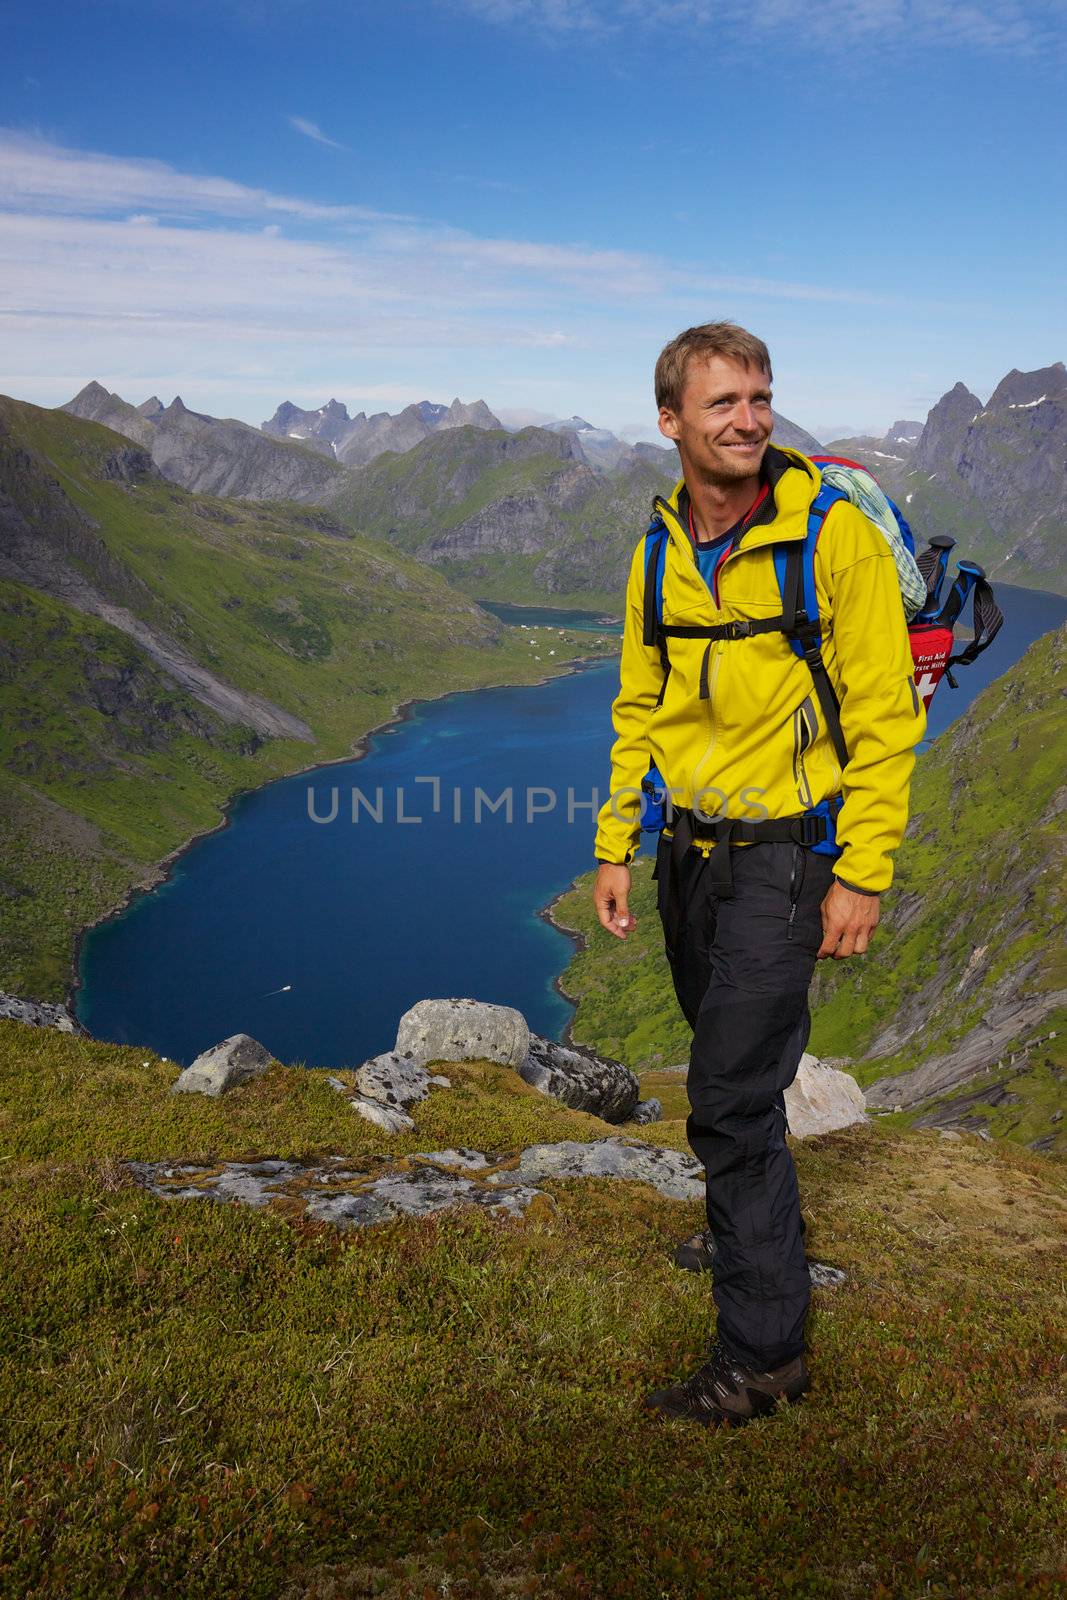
(794, 482)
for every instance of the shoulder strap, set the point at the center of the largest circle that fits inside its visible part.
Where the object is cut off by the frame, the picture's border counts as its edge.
(794, 565)
(655, 554)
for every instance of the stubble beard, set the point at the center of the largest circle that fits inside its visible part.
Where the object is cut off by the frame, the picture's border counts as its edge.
(730, 473)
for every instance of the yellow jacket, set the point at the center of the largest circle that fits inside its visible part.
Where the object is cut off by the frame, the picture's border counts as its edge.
(758, 740)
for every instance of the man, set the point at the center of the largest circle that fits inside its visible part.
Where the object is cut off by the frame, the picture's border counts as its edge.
(743, 736)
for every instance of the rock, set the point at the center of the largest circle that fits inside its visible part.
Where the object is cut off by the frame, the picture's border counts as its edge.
(416, 1194)
(473, 1160)
(224, 1067)
(335, 1190)
(389, 1118)
(647, 1111)
(462, 1030)
(822, 1098)
(678, 1176)
(581, 1079)
(826, 1277)
(392, 1080)
(40, 1014)
(368, 1200)
(949, 1133)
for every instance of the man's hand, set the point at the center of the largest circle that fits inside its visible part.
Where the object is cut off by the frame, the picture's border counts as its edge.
(848, 920)
(611, 895)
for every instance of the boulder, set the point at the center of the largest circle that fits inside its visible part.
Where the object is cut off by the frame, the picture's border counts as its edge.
(392, 1080)
(224, 1067)
(581, 1079)
(462, 1030)
(40, 1014)
(647, 1111)
(389, 1118)
(822, 1098)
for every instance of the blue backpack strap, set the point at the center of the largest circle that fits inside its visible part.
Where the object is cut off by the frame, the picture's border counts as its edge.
(796, 579)
(655, 557)
(794, 566)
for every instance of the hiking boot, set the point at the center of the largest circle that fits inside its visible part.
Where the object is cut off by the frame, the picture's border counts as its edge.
(697, 1254)
(724, 1392)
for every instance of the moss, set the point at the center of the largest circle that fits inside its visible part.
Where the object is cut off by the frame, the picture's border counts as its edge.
(205, 1400)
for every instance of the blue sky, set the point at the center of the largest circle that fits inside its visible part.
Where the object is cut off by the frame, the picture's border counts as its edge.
(522, 200)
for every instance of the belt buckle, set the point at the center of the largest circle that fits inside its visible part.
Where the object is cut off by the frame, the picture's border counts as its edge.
(810, 830)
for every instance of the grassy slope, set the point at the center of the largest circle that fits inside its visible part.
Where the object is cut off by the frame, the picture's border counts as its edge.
(101, 782)
(978, 894)
(205, 1400)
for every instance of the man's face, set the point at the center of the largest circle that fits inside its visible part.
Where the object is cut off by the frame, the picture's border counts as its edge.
(724, 421)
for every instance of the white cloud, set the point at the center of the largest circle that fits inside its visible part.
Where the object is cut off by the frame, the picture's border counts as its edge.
(38, 175)
(130, 270)
(1027, 27)
(311, 130)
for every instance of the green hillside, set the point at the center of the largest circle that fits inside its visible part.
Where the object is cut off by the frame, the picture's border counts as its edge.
(206, 1400)
(968, 968)
(509, 516)
(291, 639)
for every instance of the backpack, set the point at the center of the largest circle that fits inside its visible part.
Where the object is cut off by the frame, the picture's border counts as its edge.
(930, 626)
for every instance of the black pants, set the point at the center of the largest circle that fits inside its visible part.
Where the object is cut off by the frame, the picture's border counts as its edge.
(742, 967)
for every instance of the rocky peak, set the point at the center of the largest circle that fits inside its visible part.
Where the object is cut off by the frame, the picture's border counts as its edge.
(151, 408)
(1020, 389)
(475, 415)
(92, 392)
(946, 427)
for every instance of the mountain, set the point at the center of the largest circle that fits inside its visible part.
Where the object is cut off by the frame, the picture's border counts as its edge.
(209, 455)
(511, 516)
(356, 440)
(545, 513)
(607, 451)
(320, 430)
(793, 436)
(993, 476)
(904, 434)
(599, 447)
(161, 650)
(959, 1014)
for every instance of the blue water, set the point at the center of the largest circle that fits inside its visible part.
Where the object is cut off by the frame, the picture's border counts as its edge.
(552, 617)
(355, 921)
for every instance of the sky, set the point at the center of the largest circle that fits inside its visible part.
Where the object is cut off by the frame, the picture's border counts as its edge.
(245, 202)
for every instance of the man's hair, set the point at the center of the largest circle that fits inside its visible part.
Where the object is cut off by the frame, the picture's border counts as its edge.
(709, 339)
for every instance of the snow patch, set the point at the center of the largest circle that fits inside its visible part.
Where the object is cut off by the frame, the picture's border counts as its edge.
(1028, 405)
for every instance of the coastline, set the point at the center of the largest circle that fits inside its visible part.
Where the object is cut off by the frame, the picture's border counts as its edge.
(546, 913)
(161, 870)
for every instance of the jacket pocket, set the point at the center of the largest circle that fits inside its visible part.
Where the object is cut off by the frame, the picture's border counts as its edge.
(805, 728)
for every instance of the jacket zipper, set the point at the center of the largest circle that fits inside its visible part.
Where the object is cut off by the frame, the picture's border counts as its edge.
(660, 505)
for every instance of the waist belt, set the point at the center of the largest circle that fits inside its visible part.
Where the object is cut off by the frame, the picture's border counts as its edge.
(811, 829)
